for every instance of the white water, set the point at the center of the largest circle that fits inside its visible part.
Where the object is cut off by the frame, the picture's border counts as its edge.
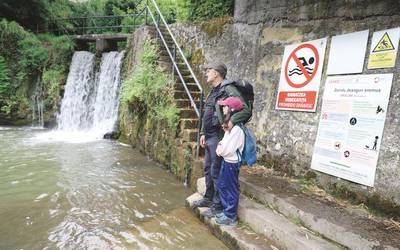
(105, 113)
(89, 108)
(76, 107)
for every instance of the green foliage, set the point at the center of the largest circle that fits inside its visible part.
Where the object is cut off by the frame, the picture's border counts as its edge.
(16, 104)
(150, 87)
(31, 53)
(52, 79)
(5, 84)
(192, 10)
(59, 49)
(11, 33)
(183, 11)
(23, 58)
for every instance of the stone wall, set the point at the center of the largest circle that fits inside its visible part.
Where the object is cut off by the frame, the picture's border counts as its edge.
(252, 45)
(145, 132)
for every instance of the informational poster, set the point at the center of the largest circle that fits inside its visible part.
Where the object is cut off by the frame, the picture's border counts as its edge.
(384, 47)
(347, 53)
(301, 76)
(350, 130)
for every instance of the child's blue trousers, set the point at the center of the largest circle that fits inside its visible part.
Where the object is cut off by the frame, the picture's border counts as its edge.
(228, 188)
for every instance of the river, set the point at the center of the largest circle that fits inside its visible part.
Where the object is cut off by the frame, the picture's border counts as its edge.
(96, 194)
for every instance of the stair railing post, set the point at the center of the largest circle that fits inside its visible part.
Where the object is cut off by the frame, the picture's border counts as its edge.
(147, 10)
(200, 124)
(174, 55)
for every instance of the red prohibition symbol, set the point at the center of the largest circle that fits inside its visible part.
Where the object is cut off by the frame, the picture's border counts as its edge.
(308, 76)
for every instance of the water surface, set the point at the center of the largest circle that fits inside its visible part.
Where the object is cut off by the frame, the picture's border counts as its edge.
(89, 195)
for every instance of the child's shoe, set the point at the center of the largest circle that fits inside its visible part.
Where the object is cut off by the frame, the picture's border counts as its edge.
(219, 215)
(226, 221)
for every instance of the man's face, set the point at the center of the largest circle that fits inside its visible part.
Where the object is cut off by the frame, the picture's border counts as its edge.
(211, 75)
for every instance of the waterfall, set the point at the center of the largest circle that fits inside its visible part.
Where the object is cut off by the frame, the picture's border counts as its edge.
(91, 99)
(76, 106)
(105, 113)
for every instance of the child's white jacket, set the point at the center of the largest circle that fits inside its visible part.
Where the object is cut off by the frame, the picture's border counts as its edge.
(232, 141)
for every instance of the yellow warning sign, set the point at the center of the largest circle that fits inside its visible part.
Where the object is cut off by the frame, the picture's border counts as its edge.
(384, 44)
(383, 51)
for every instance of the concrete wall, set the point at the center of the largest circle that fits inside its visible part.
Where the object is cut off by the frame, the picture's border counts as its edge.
(252, 45)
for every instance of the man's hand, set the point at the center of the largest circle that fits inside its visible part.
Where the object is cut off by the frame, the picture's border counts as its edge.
(203, 141)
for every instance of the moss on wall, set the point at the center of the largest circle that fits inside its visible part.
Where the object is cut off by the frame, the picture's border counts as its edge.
(215, 26)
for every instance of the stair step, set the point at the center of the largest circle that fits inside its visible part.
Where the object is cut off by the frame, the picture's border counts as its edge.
(185, 103)
(178, 94)
(284, 233)
(170, 43)
(190, 86)
(164, 58)
(233, 237)
(183, 69)
(186, 78)
(188, 114)
(189, 135)
(188, 123)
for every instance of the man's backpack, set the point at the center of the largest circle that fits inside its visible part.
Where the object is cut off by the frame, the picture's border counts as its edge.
(246, 89)
(249, 154)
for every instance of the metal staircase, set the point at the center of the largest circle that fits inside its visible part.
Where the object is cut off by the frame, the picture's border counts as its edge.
(188, 93)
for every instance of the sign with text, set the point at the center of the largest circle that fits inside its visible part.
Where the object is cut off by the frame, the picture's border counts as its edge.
(350, 130)
(384, 47)
(301, 76)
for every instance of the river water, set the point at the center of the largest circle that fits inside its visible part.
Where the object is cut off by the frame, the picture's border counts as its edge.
(89, 195)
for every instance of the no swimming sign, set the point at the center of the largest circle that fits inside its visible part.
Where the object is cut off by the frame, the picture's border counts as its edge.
(301, 76)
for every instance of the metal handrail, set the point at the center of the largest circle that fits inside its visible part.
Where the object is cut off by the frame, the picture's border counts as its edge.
(134, 16)
(177, 46)
(175, 65)
(199, 110)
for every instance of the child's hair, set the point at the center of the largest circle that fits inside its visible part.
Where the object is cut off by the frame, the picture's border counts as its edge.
(226, 118)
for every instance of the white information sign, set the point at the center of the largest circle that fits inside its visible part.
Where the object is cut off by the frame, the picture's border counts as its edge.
(347, 53)
(350, 130)
(301, 76)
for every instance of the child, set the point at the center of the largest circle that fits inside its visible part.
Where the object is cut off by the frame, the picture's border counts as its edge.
(230, 148)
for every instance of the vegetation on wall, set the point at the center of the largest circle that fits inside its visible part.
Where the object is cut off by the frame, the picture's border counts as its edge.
(150, 89)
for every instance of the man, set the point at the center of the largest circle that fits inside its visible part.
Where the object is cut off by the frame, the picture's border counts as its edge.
(212, 133)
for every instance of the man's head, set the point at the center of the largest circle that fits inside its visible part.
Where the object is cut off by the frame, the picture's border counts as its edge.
(215, 73)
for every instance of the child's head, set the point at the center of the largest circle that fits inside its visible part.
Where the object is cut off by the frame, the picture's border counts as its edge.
(233, 102)
(230, 105)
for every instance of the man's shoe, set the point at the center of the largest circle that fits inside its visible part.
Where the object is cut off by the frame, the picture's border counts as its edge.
(202, 203)
(211, 212)
(226, 221)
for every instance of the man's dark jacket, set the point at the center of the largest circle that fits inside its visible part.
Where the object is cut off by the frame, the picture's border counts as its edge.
(213, 117)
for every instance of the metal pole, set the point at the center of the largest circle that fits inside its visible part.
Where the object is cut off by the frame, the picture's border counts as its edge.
(147, 10)
(200, 124)
(174, 54)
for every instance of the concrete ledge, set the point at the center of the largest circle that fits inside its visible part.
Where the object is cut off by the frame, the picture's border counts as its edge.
(349, 228)
(282, 232)
(234, 237)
